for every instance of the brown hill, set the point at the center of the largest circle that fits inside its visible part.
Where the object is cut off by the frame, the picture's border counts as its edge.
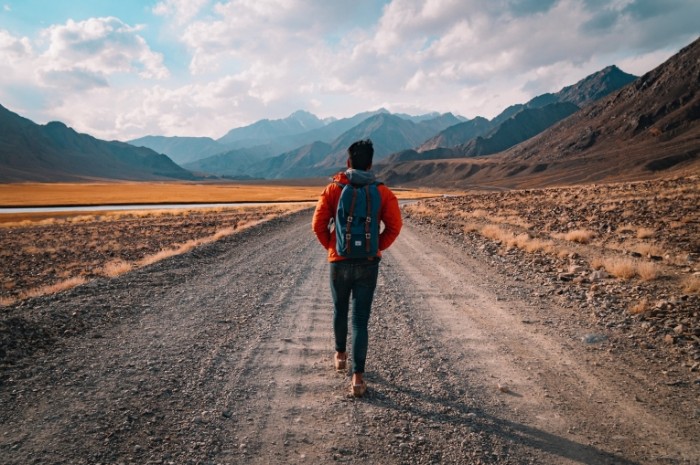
(55, 152)
(648, 128)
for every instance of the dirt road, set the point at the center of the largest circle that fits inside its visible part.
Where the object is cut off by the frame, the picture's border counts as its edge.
(223, 356)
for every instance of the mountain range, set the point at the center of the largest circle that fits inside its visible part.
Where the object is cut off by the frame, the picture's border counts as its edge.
(649, 127)
(55, 152)
(608, 125)
(272, 149)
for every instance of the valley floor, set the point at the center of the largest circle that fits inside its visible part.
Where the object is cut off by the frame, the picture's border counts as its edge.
(223, 355)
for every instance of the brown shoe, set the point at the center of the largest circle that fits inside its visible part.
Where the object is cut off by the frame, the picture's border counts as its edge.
(358, 390)
(341, 364)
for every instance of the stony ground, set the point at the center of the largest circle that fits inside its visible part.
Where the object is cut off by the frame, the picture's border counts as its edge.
(222, 355)
(37, 255)
(653, 223)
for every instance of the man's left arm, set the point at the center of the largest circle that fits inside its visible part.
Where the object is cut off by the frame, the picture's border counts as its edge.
(391, 217)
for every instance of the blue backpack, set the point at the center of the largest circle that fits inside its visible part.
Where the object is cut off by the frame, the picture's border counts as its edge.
(357, 221)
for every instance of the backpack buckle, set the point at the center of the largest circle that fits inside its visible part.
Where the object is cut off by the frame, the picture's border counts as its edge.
(349, 219)
(368, 219)
(368, 236)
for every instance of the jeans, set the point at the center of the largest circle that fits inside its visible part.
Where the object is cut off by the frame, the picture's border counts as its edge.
(356, 279)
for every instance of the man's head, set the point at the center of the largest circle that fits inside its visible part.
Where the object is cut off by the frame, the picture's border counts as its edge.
(360, 155)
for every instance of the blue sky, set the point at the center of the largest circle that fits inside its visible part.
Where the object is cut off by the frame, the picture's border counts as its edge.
(125, 69)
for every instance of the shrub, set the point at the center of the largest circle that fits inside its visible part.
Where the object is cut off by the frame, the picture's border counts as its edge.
(691, 285)
(470, 227)
(535, 245)
(624, 268)
(597, 263)
(640, 307)
(582, 236)
(496, 233)
(648, 249)
(647, 271)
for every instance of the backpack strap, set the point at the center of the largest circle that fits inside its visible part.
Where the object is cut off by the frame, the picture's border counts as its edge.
(351, 212)
(368, 219)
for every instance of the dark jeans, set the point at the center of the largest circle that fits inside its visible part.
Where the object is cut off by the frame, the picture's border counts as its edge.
(356, 279)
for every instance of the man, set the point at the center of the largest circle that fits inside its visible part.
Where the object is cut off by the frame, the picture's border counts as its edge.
(356, 277)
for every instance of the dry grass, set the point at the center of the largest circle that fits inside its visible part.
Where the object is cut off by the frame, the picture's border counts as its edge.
(496, 233)
(624, 268)
(110, 245)
(116, 268)
(581, 236)
(54, 288)
(479, 213)
(40, 194)
(647, 271)
(539, 245)
(653, 220)
(522, 241)
(163, 254)
(691, 285)
(647, 249)
(420, 209)
(179, 249)
(640, 307)
(628, 268)
(597, 263)
(470, 227)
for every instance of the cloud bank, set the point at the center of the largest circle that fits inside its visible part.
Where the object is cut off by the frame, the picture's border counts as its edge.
(240, 61)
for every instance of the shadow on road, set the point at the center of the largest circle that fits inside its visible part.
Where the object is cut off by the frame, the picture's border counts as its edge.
(516, 434)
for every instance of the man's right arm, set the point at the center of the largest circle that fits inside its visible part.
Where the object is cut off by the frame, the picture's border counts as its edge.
(322, 217)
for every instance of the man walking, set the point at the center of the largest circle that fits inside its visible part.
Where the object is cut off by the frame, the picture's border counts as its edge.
(350, 202)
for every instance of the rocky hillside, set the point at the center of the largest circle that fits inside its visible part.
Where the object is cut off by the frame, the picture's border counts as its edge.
(55, 152)
(648, 128)
(584, 92)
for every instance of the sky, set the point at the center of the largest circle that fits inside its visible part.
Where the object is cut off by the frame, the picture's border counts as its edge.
(129, 68)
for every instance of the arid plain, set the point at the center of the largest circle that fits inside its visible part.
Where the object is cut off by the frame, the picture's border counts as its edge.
(544, 326)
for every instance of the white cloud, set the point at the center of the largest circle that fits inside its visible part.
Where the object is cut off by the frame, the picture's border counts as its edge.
(14, 47)
(101, 45)
(74, 63)
(181, 11)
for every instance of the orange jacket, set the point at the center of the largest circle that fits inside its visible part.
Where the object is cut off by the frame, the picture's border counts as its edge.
(389, 214)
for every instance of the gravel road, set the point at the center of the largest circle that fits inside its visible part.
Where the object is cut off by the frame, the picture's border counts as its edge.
(223, 356)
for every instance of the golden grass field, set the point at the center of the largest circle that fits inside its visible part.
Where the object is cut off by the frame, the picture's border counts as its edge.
(67, 194)
(42, 253)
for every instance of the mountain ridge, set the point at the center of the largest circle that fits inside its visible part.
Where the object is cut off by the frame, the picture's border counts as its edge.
(55, 152)
(648, 128)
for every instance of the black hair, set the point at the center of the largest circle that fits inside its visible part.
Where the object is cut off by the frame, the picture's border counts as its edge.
(360, 154)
